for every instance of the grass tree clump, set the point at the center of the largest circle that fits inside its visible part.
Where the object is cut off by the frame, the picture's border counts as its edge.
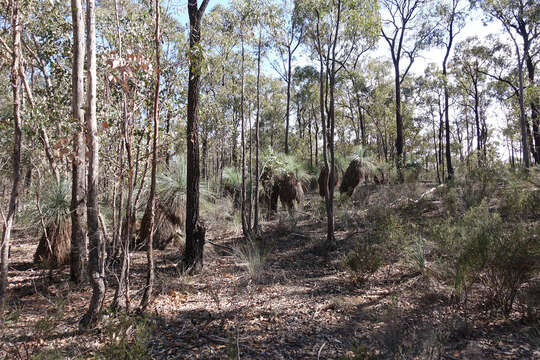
(171, 200)
(54, 245)
(251, 255)
(283, 177)
(232, 183)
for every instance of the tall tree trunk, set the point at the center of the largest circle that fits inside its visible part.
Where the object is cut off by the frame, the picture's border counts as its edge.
(96, 254)
(151, 205)
(245, 229)
(448, 154)
(477, 122)
(399, 124)
(124, 233)
(522, 116)
(535, 109)
(17, 139)
(256, 215)
(287, 115)
(78, 237)
(195, 230)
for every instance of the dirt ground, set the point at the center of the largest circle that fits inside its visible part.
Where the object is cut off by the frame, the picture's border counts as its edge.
(305, 306)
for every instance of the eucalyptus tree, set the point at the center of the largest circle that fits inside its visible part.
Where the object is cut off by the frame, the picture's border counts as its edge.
(151, 204)
(78, 243)
(16, 54)
(406, 28)
(431, 93)
(341, 32)
(305, 80)
(470, 65)
(452, 15)
(195, 229)
(521, 21)
(289, 35)
(96, 254)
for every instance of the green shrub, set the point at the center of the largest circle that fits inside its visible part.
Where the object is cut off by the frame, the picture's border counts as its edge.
(362, 262)
(501, 256)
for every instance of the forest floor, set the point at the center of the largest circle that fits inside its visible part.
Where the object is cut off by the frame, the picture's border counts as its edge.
(302, 306)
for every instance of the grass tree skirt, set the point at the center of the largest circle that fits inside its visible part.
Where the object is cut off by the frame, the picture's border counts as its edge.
(352, 177)
(54, 248)
(322, 180)
(169, 224)
(290, 190)
(270, 190)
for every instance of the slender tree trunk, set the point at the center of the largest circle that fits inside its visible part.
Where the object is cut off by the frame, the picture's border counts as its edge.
(14, 197)
(96, 254)
(78, 243)
(287, 115)
(522, 116)
(535, 109)
(124, 234)
(195, 230)
(448, 154)
(151, 205)
(245, 229)
(399, 124)
(256, 220)
(477, 122)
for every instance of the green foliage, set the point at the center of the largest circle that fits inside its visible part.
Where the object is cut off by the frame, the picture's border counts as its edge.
(411, 171)
(480, 183)
(417, 254)
(171, 183)
(55, 199)
(360, 153)
(500, 255)
(281, 163)
(363, 261)
(377, 247)
(232, 178)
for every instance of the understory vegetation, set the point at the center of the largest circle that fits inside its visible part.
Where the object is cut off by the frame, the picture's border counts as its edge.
(277, 179)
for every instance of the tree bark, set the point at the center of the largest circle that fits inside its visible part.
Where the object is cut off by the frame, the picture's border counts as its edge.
(195, 230)
(78, 237)
(17, 139)
(256, 215)
(151, 204)
(96, 253)
(287, 115)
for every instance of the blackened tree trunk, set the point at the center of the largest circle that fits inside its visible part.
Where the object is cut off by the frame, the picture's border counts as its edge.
(399, 123)
(195, 230)
(151, 205)
(78, 243)
(535, 109)
(96, 253)
(17, 138)
(448, 154)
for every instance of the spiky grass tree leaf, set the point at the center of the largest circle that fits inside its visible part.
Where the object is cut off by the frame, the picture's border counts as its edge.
(171, 184)
(55, 201)
(232, 178)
